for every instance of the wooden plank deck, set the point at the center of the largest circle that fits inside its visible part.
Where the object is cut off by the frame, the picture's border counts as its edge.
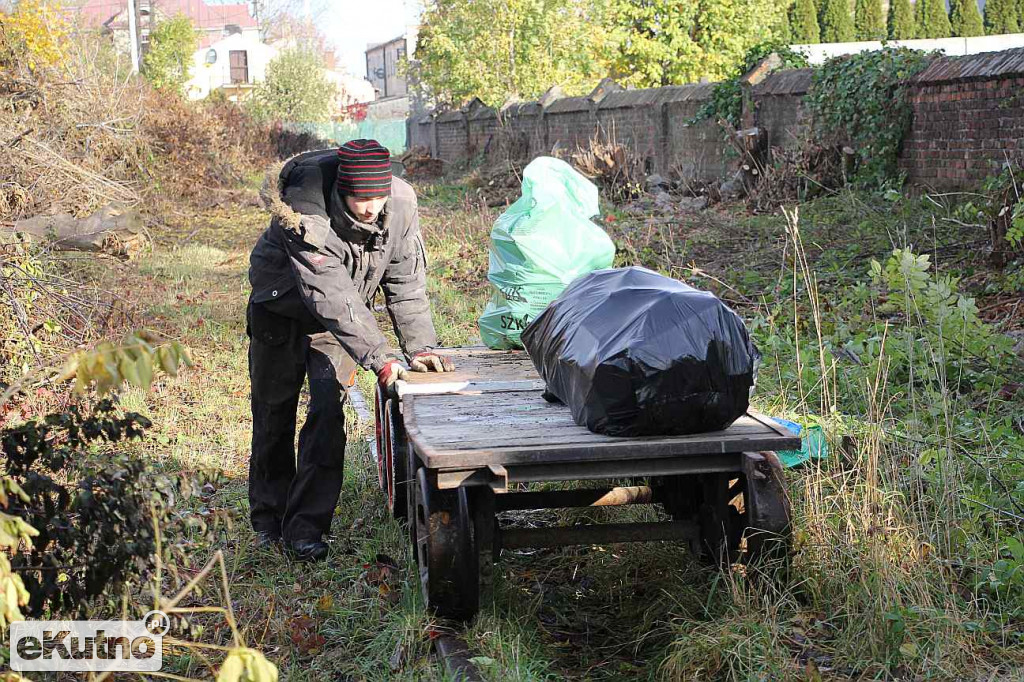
(490, 411)
(476, 368)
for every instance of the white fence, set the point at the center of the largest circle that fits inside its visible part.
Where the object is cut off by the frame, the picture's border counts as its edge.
(818, 54)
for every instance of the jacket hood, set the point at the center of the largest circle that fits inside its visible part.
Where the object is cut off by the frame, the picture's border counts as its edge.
(270, 198)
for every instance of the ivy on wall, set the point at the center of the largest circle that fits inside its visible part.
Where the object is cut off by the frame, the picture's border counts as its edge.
(859, 101)
(726, 101)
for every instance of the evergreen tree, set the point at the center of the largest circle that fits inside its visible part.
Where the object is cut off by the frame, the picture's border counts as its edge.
(804, 23)
(936, 20)
(836, 21)
(868, 21)
(965, 18)
(901, 20)
(1001, 17)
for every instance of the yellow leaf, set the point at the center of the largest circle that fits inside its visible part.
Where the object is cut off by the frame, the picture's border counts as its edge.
(183, 354)
(129, 370)
(246, 665)
(908, 649)
(69, 369)
(168, 361)
(144, 368)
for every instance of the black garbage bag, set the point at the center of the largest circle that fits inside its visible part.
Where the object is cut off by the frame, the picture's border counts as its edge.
(634, 353)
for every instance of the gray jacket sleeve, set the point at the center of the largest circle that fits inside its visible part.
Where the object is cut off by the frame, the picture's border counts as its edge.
(405, 290)
(328, 292)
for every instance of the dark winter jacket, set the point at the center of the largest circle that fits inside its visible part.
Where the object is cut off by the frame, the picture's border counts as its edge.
(315, 259)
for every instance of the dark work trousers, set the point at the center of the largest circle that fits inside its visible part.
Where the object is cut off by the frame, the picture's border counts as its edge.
(296, 499)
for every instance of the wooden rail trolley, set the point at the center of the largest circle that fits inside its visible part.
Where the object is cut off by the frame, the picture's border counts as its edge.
(452, 447)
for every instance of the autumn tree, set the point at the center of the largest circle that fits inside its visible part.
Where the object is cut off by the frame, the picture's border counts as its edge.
(836, 21)
(868, 20)
(725, 31)
(520, 48)
(514, 49)
(295, 89)
(804, 22)
(965, 18)
(653, 41)
(902, 25)
(168, 61)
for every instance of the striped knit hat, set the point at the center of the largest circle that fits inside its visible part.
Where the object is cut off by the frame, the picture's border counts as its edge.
(364, 169)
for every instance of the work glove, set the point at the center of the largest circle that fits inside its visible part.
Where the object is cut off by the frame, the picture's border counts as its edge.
(390, 372)
(429, 361)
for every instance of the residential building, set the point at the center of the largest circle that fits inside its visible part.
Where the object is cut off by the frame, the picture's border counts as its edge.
(230, 56)
(382, 65)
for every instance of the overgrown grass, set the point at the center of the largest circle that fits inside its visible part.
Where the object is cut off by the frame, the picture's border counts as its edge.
(898, 536)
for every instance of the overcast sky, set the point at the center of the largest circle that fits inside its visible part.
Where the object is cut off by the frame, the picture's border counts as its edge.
(351, 24)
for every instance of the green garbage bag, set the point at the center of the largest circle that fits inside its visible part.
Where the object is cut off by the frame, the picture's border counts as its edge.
(812, 444)
(539, 245)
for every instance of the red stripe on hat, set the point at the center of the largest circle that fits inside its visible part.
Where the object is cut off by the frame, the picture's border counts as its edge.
(358, 155)
(361, 164)
(369, 191)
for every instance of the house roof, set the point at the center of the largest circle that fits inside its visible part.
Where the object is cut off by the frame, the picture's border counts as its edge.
(96, 13)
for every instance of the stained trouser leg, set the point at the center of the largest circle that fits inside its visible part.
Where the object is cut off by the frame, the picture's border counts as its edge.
(276, 371)
(317, 485)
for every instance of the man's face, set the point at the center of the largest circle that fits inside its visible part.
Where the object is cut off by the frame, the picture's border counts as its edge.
(365, 209)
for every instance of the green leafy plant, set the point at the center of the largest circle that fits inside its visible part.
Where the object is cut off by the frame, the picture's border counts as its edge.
(295, 89)
(901, 22)
(1001, 17)
(932, 19)
(1003, 210)
(91, 536)
(836, 21)
(965, 18)
(859, 101)
(804, 22)
(937, 325)
(869, 22)
(13, 532)
(168, 61)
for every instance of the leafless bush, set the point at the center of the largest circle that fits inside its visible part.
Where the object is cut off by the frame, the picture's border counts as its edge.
(615, 169)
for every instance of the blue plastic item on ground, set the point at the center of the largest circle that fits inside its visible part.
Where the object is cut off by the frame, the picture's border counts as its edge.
(812, 444)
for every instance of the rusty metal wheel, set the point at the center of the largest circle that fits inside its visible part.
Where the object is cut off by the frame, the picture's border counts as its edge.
(398, 481)
(768, 533)
(412, 465)
(447, 553)
(378, 423)
(384, 453)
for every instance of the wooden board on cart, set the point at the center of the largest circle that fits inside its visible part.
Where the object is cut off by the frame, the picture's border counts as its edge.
(508, 427)
(476, 368)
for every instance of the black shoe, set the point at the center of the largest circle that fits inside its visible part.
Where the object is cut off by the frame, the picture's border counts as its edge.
(307, 550)
(265, 539)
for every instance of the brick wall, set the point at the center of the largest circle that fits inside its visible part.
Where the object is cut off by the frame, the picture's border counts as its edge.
(570, 123)
(480, 129)
(779, 108)
(968, 118)
(452, 136)
(968, 115)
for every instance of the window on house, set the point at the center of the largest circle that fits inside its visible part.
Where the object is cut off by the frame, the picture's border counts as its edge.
(239, 66)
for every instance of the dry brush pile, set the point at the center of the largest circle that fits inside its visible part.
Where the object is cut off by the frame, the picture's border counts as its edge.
(81, 136)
